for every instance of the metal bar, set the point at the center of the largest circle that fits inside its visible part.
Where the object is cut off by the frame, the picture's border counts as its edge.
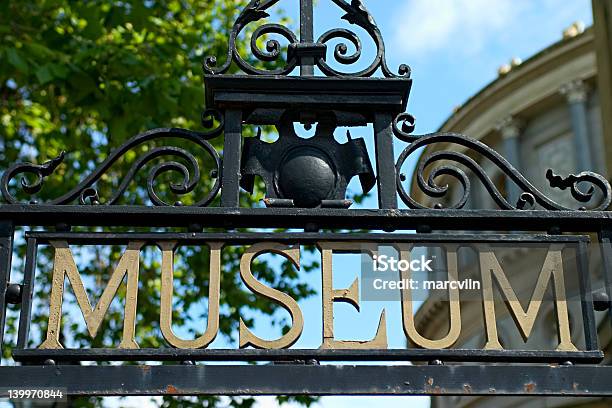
(213, 217)
(586, 299)
(456, 355)
(85, 238)
(306, 21)
(7, 230)
(232, 152)
(27, 294)
(587, 381)
(362, 95)
(385, 161)
(305, 101)
(606, 256)
(306, 35)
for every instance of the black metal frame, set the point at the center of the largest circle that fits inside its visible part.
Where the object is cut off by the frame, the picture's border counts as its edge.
(338, 98)
(531, 371)
(300, 379)
(591, 354)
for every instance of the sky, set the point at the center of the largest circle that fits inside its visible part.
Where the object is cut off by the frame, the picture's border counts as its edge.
(454, 48)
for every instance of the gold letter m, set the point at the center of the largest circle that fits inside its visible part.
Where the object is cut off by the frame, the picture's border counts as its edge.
(64, 265)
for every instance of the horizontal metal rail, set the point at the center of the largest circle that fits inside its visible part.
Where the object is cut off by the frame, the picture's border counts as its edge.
(98, 238)
(208, 217)
(293, 379)
(168, 354)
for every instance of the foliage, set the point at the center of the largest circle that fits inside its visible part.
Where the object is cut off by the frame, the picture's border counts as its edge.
(85, 76)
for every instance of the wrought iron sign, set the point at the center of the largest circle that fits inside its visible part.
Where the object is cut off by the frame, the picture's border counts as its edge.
(306, 189)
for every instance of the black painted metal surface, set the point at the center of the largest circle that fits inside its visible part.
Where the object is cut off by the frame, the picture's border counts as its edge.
(307, 173)
(7, 230)
(329, 218)
(287, 379)
(297, 355)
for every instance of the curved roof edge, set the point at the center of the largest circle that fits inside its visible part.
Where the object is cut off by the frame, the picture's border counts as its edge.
(554, 50)
(508, 94)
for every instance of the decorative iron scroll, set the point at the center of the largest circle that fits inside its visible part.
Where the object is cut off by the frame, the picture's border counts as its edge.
(452, 165)
(356, 14)
(530, 197)
(85, 191)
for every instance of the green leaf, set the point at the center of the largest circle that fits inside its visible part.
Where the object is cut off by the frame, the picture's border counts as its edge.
(59, 70)
(44, 74)
(82, 85)
(130, 60)
(39, 51)
(15, 59)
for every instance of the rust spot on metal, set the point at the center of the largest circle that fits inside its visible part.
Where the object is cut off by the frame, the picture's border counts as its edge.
(575, 386)
(171, 389)
(467, 388)
(145, 368)
(529, 387)
(430, 381)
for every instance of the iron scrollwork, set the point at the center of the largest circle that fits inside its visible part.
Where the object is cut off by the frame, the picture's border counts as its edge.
(583, 186)
(356, 14)
(255, 11)
(85, 191)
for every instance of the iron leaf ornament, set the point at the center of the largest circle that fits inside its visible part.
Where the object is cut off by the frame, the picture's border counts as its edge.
(358, 14)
